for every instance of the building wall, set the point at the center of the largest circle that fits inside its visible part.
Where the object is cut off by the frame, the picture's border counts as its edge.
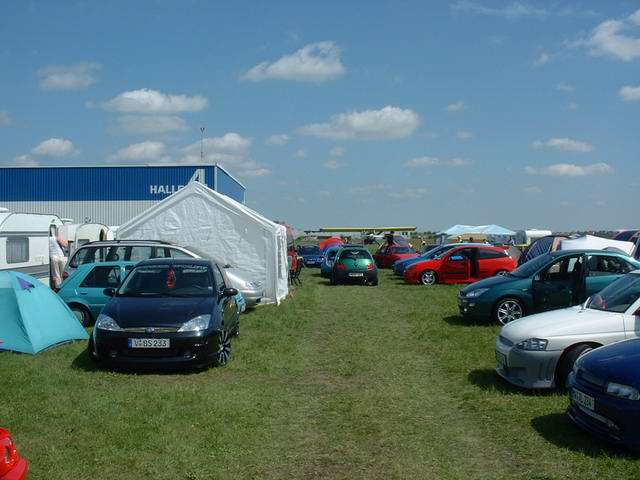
(108, 195)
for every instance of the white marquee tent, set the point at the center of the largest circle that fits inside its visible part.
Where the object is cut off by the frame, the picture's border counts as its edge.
(222, 229)
(589, 242)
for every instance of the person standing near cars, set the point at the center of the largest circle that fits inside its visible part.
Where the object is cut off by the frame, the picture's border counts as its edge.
(57, 260)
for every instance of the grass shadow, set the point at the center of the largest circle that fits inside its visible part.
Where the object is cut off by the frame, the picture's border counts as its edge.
(559, 430)
(84, 363)
(460, 321)
(489, 380)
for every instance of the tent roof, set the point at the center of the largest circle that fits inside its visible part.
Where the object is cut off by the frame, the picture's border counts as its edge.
(478, 229)
(590, 242)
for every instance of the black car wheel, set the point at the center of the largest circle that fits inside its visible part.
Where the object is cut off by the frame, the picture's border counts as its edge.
(332, 280)
(507, 310)
(82, 314)
(566, 364)
(223, 354)
(373, 283)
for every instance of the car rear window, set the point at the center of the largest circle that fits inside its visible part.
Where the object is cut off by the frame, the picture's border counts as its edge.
(355, 255)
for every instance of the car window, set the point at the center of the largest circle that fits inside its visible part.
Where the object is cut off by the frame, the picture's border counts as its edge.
(137, 254)
(565, 268)
(600, 265)
(175, 253)
(355, 255)
(487, 254)
(102, 277)
(168, 281)
(160, 252)
(532, 266)
(219, 279)
(402, 250)
(87, 255)
(618, 296)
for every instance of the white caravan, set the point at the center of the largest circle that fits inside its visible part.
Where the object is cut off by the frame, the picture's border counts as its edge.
(78, 234)
(24, 242)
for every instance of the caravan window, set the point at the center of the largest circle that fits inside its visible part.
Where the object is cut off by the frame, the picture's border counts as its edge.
(17, 250)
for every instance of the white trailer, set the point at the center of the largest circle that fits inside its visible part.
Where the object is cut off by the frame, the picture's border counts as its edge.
(24, 242)
(527, 237)
(78, 234)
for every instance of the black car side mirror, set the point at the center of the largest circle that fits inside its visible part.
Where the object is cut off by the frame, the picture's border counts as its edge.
(109, 292)
(229, 292)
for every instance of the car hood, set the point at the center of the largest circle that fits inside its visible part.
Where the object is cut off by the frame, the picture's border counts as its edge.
(570, 322)
(165, 311)
(490, 283)
(618, 362)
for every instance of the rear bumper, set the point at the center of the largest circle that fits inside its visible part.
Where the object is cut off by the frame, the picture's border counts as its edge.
(252, 297)
(19, 472)
(348, 277)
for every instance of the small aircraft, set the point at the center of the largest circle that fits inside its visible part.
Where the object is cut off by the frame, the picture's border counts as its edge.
(372, 234)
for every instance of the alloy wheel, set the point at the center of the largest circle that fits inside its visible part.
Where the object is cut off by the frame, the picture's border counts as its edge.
(428, 277)
(224, 348)
(508, 311)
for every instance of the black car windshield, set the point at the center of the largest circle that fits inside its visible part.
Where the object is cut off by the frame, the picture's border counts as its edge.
(168, 281)
(618, 296)
(308, 249)
(355, 255)
(532, 266)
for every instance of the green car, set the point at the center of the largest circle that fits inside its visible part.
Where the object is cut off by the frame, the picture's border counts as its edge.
(548, 282)
(83, 291)
(354, 264)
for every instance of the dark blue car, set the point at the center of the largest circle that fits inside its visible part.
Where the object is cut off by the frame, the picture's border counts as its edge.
(311, 255)
(167, 312)
(605, 393)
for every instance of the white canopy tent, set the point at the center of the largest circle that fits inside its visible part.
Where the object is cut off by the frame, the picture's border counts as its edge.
(222, 229)
(589, 242)
(489, 232)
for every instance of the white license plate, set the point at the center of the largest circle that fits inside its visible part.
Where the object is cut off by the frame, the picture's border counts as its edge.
(501, 358)
(149, 343)
(582, 399)
(356, 274)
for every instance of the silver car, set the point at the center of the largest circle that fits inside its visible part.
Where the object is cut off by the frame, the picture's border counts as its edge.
(251, 290)
(539, 351)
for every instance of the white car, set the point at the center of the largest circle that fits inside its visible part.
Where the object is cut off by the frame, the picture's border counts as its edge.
(539, 351)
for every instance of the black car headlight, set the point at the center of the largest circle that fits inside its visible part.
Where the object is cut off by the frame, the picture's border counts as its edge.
(197, 324)
(623, 391)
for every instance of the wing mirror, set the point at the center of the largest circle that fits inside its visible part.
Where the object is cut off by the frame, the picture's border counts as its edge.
(109, 292)
(229, 292)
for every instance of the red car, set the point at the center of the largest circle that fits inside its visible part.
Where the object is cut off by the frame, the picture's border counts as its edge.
(12, 466)
(465, 264)
(388, 254)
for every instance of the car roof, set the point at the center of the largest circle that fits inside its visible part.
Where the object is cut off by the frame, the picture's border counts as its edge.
(176, 261)
(126, 242)
(560, 253)
(123, 263)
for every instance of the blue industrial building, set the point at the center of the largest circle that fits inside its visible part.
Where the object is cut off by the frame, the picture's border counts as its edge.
(105, 194)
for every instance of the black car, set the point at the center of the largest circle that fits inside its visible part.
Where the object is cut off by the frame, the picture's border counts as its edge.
(167, 312)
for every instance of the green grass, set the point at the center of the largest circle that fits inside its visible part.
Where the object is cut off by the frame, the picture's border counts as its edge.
(338, 382)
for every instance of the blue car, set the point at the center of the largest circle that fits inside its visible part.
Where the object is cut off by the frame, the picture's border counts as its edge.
(311, 255)
(604, 391)
(83, 291)
(326, 267)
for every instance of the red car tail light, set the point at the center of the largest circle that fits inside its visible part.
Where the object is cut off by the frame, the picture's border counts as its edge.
(342, 266)
(371, 266)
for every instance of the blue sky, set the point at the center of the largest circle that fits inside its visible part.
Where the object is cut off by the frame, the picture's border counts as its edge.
(400, 112)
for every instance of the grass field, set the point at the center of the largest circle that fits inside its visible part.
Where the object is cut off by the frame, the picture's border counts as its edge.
(338, 382)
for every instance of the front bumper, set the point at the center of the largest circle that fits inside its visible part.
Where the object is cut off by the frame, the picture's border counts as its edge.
(186, 349)
(614, 420)
(474, 307)
(526, 369)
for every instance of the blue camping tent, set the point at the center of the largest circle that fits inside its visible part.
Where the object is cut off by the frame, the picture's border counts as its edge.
(32, 316)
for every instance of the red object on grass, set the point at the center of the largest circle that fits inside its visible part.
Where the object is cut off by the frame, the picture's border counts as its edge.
(12, 465)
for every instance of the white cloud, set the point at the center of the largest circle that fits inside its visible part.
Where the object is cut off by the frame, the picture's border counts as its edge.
(409, 194)
(140, 152)
(570, 170)
(315, 62)
(462, 135)
(5, 119)
(279, 139)
(300, 153)
(153, 101)
(532, 189)
(337, 151)
(332, 164)
(543, 59)
(427, 161)
(630, 93)
(615, 39)
(231, 150)
(456, 106)
(152, 123)
(512, 10)
(385, 124)
(564, 144)
(25, 161)
(565, 87)
(68, 77)
(55, 147)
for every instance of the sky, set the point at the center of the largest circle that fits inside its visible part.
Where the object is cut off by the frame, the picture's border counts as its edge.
(425, 113)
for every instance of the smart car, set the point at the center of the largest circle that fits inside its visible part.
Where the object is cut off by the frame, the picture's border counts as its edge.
(604, 390)
(12, 465)
(463, 264)
(167, 313)
(83, 291)
(539, 351)
(354, 264)
(549, 281)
